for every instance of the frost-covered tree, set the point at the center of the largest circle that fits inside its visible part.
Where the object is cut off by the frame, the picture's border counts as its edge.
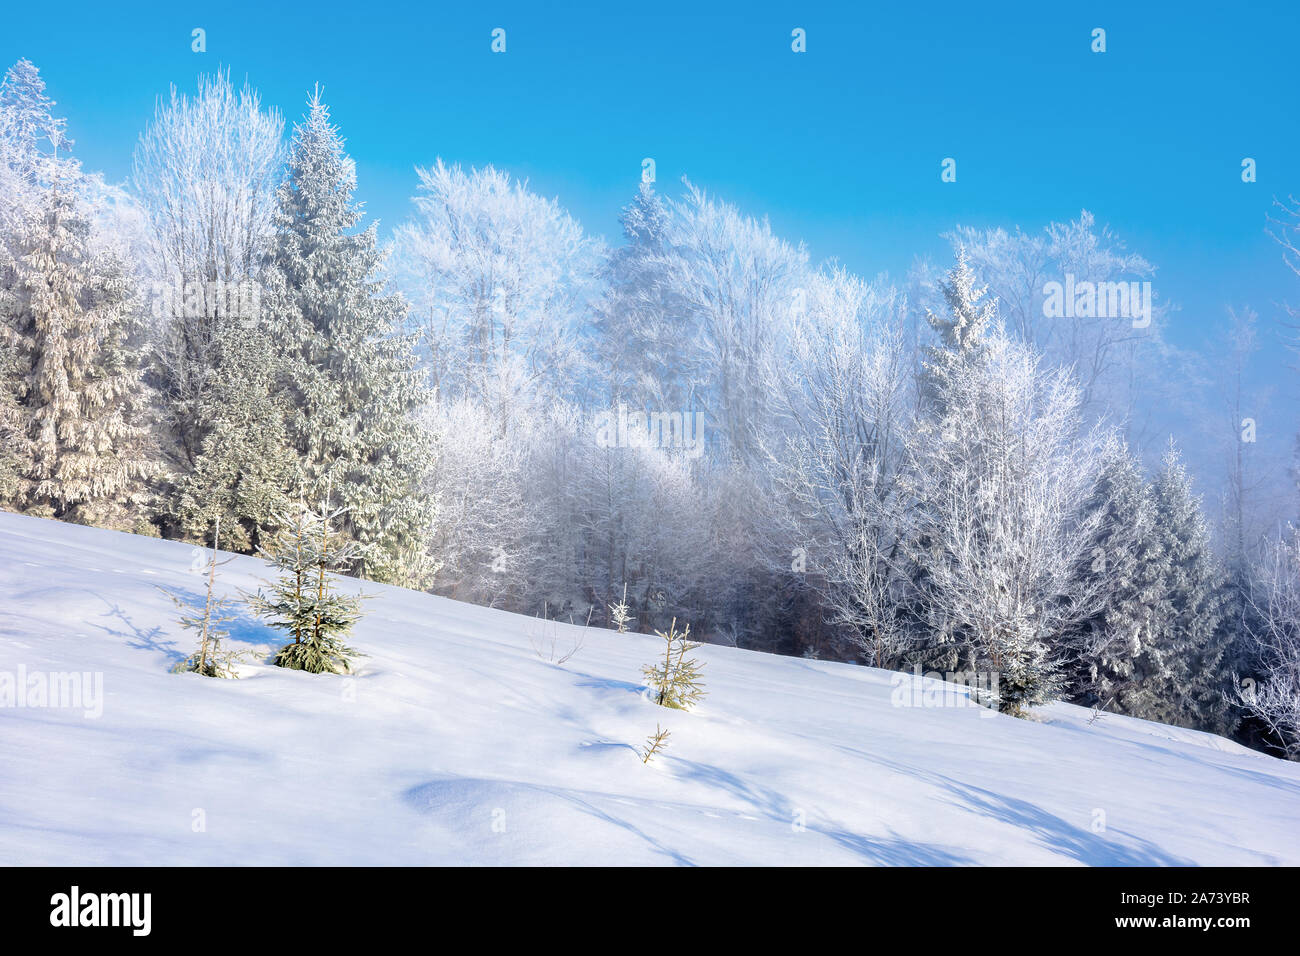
(351, 382)
(1113, 351)
(501, 280)
(1000, 473)
(644, 336)
(490, 536)
(1186, 673)
(644, 517)
(80, 393)
(844, 410)
(1274, 696)
(1126, 561)
(15, 448)
(204, 173)
(34, 144)
(963, 326)
(620, 613)
(206, 169)
(33, 154)
(244, 472)
(740, 285)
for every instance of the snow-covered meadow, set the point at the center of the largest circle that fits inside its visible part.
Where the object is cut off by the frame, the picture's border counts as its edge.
(458, 742)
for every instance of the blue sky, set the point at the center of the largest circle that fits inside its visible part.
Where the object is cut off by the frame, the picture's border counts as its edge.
(839, 146)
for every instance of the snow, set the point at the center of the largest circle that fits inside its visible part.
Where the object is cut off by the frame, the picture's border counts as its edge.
(455, 743)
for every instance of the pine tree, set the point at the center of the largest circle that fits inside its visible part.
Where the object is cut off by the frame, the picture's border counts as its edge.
(304, 601)
(643, 331)
(676, 682)
(33, 136)
(351, 377)
(1000, 470)
(82, 399)
(655, 743)
(1128, 562)
(621, 613)
(245, 467)
(963, 330)
(1185, 672)
(15, 448)
(207, 618)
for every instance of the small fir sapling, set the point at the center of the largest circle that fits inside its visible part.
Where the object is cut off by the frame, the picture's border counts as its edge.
(655, 743)
(676, 682)
(620, 613)
(207, 617)
(304, 601)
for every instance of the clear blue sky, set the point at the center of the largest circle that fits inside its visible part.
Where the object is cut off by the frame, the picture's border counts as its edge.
(839, 146)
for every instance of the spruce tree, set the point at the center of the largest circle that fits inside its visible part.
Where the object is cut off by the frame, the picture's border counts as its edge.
(643, 325)
(963, 330)
(676, 682)
(245, 468)
(81, 397)
(350, 375)
(620, 613)
(304, 601)
(33, 136)
(1188, 671)
(209, 617)
(14, 446)
(1128, 562)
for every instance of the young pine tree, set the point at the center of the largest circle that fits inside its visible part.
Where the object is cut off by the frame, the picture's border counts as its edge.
(351, 377)
(620, 613)
(676, 682)
(655, 743)
(207, 618)
(304, 601)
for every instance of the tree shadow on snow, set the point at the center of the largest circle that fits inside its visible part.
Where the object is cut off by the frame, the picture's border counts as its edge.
(163, 640)
(1092, 849)
(877, 851)
(151, 639)
(894, 851)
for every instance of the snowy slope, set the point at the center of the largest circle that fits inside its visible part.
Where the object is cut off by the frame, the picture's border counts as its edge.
(457, 744)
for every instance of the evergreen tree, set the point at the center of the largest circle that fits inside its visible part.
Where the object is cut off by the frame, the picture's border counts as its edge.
(351, 377)
(963, 329)
(1188, 674)
(208, 618)
(244, 468)
(80, 392)
(30, 136)
(620, 613)
(14, 446)
(644, 336)
(1127, 562)
(1000, 472)
(33, 136)
(303, 601)
(676, 682)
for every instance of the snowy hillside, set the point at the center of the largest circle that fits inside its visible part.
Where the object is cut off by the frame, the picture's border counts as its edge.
(456, 743)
